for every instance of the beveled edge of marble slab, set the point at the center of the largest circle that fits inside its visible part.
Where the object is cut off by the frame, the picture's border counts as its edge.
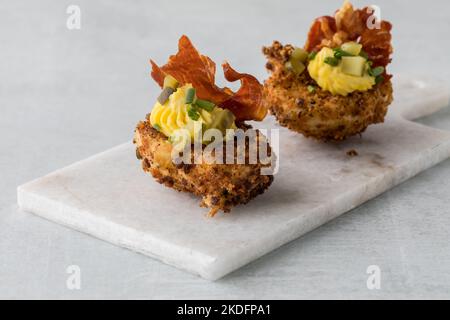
(111, 232)
(180, 257)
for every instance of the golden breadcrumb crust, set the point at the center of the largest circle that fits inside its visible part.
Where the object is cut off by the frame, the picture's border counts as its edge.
(221, 186)
(319, 114)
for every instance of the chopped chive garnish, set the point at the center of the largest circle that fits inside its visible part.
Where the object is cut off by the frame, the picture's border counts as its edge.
(332, 61)
(190, 95)
(165, 94)
(204, 104)
(312, 55)
(157, 127)
(311, 89)
(193, 112)
(364, 54)
(379, 79)
(375, 72)
(339, 53)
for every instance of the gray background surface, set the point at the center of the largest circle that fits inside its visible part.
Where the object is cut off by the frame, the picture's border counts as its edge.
(65, 95)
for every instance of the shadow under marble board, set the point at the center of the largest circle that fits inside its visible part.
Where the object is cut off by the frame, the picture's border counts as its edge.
(109, 196)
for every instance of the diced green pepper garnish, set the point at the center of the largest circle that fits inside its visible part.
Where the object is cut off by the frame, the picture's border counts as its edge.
(223, 119)
(170, 82)
(379, 79)
(190, 96)
(332, 61)
(352, 47)
(300, 54)
(297, 66)
(353, 66)
(339, 53)
(375, 72)
(204, 104)
(193, 112)
(311, 89)
(312, 55)
(165, 94)
(364, 54)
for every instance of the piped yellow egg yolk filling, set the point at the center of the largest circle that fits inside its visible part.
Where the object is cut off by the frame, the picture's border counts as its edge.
(333, 79)
(174, 114)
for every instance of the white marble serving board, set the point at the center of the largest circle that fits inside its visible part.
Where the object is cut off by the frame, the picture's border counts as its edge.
(109, 196)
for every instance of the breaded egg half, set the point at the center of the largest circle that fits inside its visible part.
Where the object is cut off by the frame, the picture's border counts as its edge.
(221, 186)
(195, 139)
(336, 85)
(318, 113)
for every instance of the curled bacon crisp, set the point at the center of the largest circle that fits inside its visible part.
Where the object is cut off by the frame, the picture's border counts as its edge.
(349, 24)
(247, 102)
(322, 29)
(189, 66)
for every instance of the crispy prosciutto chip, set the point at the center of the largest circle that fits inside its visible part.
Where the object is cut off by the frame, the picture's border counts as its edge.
(189, 66)
(349, 24)
(247, 102)
(323, 29)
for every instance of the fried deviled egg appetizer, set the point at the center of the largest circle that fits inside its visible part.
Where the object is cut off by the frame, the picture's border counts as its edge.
(190, 103)
(336, 85)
